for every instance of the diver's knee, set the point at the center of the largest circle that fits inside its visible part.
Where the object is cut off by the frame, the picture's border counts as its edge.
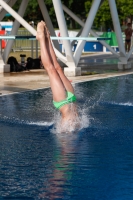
(50, 68)
(57, 67)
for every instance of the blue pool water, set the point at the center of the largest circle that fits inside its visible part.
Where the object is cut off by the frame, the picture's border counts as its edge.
(96, 163)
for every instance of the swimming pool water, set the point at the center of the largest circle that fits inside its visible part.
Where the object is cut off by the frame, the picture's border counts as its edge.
(96, 163)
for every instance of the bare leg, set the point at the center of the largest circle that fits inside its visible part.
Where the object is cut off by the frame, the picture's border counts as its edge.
(126, 46)
(57, 86)
(64, 79)
(129, 45)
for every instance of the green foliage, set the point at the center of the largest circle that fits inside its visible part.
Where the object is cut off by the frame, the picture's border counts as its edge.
(125, 8)
(33, 12)
(77, 6)
(103, 17)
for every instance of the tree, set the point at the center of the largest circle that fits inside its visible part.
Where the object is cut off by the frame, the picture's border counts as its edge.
(125, 9)
(81, 8)
(33, 12)
(77, 6)
(103, 16)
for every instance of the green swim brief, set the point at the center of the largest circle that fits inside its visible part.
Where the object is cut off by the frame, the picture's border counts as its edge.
(70, 98)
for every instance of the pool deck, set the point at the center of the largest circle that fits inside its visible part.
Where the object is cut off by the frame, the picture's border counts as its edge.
(37, 79)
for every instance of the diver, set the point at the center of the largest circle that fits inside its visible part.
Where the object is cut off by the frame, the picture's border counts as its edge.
(63, 92)
(128, 34)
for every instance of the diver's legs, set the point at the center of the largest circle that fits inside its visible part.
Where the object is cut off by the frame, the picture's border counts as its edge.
(129, 45)
(64, 79)
(126, 46)
(57, 86)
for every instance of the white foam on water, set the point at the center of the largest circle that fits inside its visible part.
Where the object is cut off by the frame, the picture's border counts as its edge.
(81, 121)
(122, 104)
(40, 123)
(26, 122)
(126, 104)
(85, 117)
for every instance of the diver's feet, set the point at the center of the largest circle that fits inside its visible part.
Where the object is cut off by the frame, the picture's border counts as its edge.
(41, 31)
(46, 29)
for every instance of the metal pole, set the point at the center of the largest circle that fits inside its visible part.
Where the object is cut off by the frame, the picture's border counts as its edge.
(3, 11)
(63, 29)
(1, 47)
(36, 49)
(130, 52)
(79, 21)
(15, 29)
(79, 33)
(32, 43)
(117, 27)
(48, 22)
(32, 46)
(86, 29)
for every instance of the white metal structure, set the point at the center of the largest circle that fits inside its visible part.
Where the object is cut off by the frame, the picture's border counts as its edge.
(70, 59)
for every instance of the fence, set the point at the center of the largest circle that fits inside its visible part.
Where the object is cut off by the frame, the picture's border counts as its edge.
(24, 44)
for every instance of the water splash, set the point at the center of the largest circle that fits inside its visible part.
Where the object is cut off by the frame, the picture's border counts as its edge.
(79, 122)
(85, 117)
(85, 112)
